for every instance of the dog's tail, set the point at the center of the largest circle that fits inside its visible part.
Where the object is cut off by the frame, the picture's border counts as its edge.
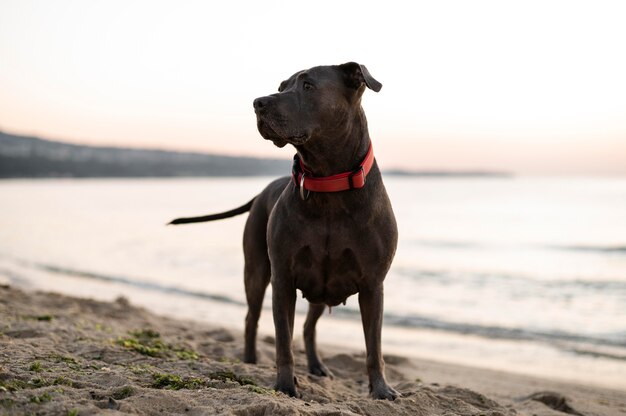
(213, 217)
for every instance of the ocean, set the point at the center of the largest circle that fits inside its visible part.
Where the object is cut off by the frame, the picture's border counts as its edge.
(522, 274)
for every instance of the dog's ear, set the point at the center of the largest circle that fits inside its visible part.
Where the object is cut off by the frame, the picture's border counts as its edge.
(357, 75)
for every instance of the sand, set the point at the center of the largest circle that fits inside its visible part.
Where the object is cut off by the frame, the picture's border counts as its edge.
(61, 355)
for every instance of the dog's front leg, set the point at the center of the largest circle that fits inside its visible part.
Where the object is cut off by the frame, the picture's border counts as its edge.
(371, 304)
(283, 307)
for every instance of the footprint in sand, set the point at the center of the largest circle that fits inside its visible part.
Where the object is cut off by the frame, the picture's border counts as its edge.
(555, 401)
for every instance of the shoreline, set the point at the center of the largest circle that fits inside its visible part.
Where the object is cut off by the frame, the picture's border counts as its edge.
(513, 356)
(66, 355)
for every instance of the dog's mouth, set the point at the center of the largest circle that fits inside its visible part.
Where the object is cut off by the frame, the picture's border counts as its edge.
(276, 133)
(299, 139)
(268, 133)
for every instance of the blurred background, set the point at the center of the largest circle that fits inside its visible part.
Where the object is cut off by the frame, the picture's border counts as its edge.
(500, 129)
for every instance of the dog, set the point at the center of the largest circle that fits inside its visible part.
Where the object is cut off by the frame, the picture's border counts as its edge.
(329, 229)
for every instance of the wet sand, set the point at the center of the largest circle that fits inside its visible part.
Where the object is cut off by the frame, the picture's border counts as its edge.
(61, 355)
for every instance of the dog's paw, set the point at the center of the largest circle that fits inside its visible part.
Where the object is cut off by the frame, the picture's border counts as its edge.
(288, 388)
(384, 392)
(319, 369)
(290, 391)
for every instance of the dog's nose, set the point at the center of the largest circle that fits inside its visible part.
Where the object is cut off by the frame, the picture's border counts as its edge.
(259, 103)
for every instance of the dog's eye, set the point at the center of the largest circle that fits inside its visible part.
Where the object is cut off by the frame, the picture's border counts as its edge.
(307, 86)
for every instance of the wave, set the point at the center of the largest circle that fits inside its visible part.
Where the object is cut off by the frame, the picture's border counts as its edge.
(473, 245)
(562, 339)
(598, 354)
(497, 332)
(447, 277)
(450, 244)
(131, 282)
(594, 249)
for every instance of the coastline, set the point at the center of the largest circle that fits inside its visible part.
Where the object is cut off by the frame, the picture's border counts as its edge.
(470, 285)
(65, 355)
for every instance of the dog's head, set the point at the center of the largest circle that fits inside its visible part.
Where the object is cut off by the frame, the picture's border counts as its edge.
(317, 102)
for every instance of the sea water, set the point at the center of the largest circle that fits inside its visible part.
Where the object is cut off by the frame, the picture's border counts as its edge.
(523, 274)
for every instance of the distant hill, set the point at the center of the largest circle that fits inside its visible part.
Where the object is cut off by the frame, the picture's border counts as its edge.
(449, 173)
(32, 157)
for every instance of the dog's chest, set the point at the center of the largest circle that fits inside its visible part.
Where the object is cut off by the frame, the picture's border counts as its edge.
(327, 277)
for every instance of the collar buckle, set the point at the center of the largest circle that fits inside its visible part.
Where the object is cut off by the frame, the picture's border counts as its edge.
(304, 193)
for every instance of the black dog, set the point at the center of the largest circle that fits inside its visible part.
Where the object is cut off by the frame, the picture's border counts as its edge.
(329, 230)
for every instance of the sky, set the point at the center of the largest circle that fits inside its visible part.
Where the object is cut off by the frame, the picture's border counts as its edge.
(532, 87)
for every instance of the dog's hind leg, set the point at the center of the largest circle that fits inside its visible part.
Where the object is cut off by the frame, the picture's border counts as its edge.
(256, 277)
(316, 366)
(256, 282)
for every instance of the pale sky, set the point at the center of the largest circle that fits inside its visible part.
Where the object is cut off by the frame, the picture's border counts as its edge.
(527, 86)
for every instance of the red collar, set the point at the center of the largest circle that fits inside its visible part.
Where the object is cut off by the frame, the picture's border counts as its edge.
(304, 179)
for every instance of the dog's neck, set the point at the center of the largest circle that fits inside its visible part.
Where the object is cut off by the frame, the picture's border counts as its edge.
(326, 156)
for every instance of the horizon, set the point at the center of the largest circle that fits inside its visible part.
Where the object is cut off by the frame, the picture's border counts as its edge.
(394, 170)
(387, 169)
(531, 89)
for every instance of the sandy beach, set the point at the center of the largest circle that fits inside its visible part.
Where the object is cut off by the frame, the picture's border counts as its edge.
(62, 355)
